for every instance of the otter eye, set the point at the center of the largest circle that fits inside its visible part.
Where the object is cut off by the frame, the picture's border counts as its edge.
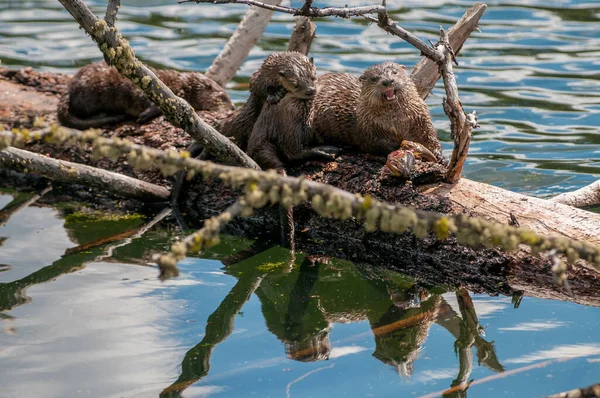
(282, 73)
(374, 79)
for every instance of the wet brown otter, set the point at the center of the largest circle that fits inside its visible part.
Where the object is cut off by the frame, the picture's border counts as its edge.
(280, 73)
(373, 113)
(98, 95)
(281, 134)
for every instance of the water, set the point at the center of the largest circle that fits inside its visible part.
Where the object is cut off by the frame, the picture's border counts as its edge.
(102, 326)
(90, 324)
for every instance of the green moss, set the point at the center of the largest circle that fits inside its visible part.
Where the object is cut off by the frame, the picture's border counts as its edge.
(270, 267)
(97, 216)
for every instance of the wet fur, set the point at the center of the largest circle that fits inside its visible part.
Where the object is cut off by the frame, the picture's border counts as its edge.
(279, 74)
(98, 95)
(351, 111)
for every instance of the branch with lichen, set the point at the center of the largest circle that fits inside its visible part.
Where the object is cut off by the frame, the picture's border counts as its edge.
(118, 52)
(262, 188)
(207, 236)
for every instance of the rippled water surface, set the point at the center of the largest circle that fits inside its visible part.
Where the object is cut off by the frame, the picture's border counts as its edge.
(532, 74)
(97, 324)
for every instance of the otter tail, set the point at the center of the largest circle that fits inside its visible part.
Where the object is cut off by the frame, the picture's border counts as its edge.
(66, 118)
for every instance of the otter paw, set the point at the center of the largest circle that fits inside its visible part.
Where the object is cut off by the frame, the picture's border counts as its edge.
(333, 151)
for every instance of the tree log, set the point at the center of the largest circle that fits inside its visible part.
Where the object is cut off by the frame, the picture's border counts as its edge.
(60, 170)
(583, 197)
(542, 216)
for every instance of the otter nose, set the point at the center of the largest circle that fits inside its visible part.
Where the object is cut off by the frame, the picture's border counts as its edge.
(311, 91)
(387, 82)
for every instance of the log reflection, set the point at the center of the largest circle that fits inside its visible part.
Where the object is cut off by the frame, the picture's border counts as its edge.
(301, 305)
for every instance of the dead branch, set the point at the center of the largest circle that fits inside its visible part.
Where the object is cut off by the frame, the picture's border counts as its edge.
(262, 188)
(237, 48)
(386, 23)
(460, 123)
(426, 73)
(60, 170)
(583, 197)
(311, 12)
(120, 54)
(302, 36)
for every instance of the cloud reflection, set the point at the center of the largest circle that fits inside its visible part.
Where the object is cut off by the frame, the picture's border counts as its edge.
(535, 326)
(559, 352)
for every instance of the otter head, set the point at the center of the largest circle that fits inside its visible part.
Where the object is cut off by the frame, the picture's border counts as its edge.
(204, 94)
(383, 82)
(298, 76)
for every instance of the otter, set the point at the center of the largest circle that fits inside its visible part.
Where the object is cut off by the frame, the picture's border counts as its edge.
(281, 134)
(280, 73)
(99, 95)
(373, 113)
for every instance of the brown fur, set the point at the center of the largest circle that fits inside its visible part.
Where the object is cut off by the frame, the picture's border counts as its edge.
(355, 112)
(98, 95)
(279, 74)
(279, 135)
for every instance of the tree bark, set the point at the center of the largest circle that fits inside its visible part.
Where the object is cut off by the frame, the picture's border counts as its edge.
(545, 217)
(60, 170)
(583, 197)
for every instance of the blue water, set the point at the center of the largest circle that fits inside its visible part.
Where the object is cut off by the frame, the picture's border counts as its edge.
(91, 325)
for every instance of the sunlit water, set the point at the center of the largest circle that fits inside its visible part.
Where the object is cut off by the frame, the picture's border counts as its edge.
(89, 325)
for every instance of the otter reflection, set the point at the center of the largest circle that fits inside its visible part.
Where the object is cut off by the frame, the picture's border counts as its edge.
(300, 308)
(301, 305)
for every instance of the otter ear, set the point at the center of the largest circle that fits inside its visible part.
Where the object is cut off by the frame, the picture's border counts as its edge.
(282, 73)
(312, 60)
(403, 67)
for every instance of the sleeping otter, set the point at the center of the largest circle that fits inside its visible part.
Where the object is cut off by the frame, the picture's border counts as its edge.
(99, 95)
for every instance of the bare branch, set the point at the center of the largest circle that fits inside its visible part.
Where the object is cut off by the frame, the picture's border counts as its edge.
(460, 125)
(312, 12)
(111, 12)
(426, 73)
(302, 36)
(60, 170)
(177, 111)
(387, 24)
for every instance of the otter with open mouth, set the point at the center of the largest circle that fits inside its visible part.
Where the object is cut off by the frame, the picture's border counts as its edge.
(373, 113)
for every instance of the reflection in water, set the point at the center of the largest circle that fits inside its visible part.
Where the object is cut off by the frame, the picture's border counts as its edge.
(300, 307)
